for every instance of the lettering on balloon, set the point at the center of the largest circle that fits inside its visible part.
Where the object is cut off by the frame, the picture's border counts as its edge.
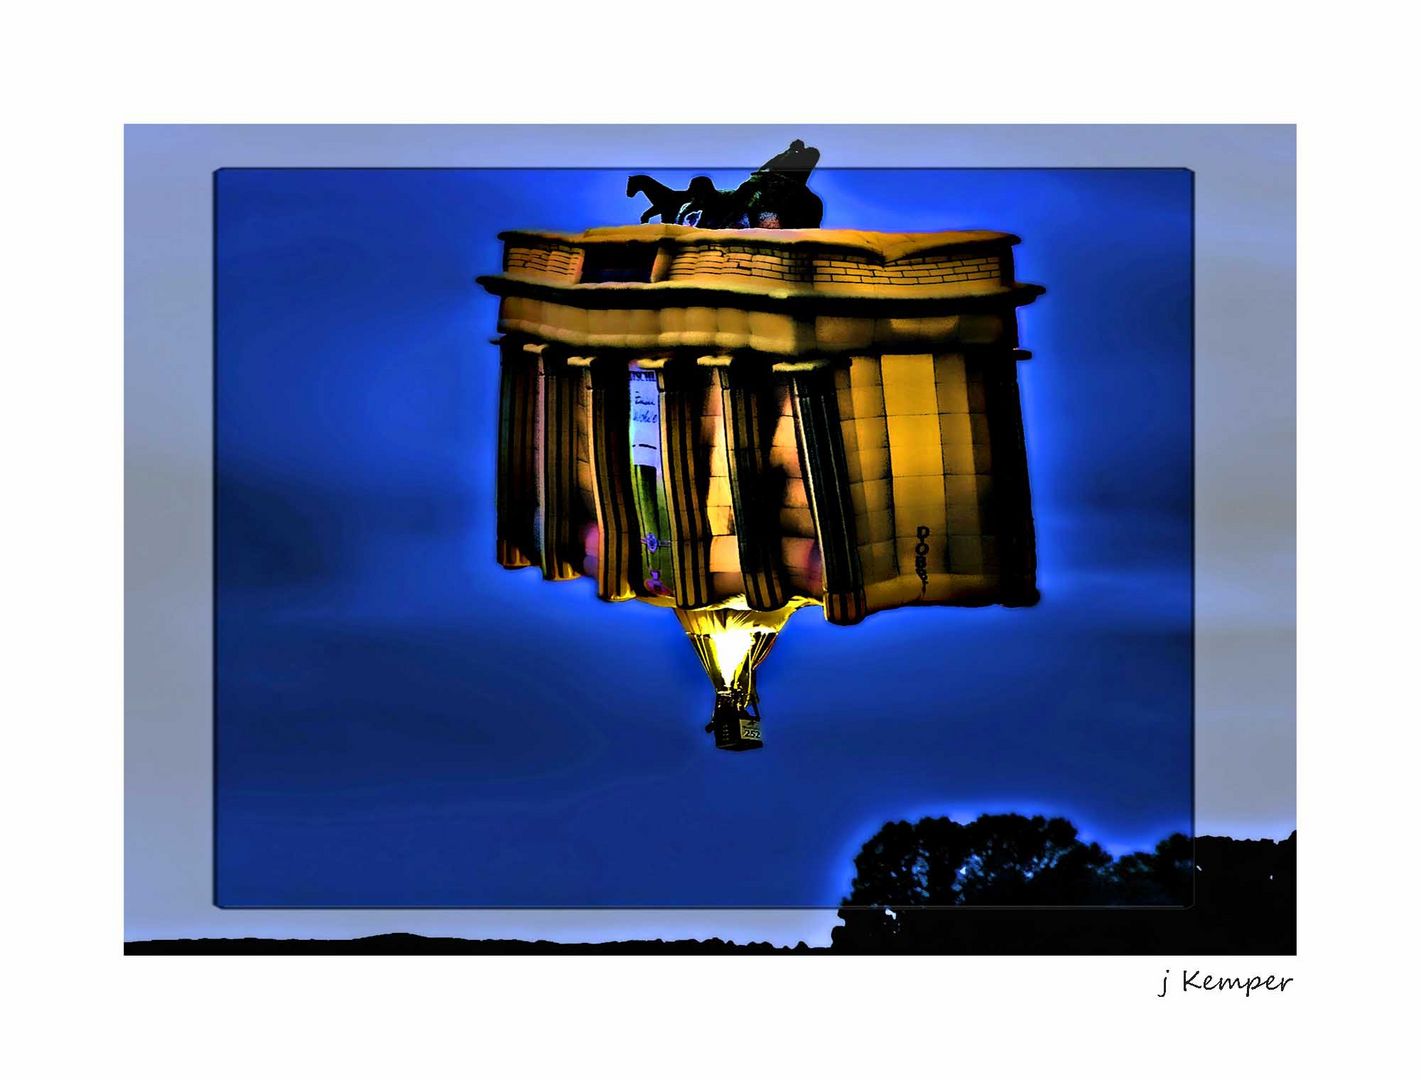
(920, 560)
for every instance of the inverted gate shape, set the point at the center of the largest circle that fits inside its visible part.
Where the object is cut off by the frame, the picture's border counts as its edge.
(739, 423)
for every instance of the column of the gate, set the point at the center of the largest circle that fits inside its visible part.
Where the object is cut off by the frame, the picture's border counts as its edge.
(682, 385)
(823, 461)
(559, 535)
(748, 413)
(518, 426)
(618, 541)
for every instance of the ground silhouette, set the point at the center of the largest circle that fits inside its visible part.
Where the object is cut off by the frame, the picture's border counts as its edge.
(1001, 884)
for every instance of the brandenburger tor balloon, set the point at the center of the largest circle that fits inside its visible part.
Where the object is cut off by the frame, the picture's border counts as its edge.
(734, 422)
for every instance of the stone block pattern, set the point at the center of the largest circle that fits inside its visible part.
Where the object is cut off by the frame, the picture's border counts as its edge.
(787, 266)
(556, 262)
(784, 265)
(740, 260)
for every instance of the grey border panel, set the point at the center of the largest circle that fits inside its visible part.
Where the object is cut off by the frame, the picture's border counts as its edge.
(1245, 387)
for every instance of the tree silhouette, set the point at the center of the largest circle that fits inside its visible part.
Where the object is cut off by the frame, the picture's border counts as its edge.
(997, 859)
(1018, 860)
(1163, 876)
(1007, 883)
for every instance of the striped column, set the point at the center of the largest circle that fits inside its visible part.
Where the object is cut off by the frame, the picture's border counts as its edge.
(685, 472)
(517, 490)
(619, 547)
(826, 481)
(559, 546)
(745, 409)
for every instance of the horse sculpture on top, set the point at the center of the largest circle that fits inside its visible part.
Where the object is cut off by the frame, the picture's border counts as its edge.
(774, 196)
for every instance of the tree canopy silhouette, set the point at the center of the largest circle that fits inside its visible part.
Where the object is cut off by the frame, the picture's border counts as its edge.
(1008, 883)
(997, 859)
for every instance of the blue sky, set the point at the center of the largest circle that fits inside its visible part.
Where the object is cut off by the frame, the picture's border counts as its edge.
(393, 727)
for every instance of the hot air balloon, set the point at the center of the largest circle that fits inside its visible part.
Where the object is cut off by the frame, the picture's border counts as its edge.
(738, 423)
